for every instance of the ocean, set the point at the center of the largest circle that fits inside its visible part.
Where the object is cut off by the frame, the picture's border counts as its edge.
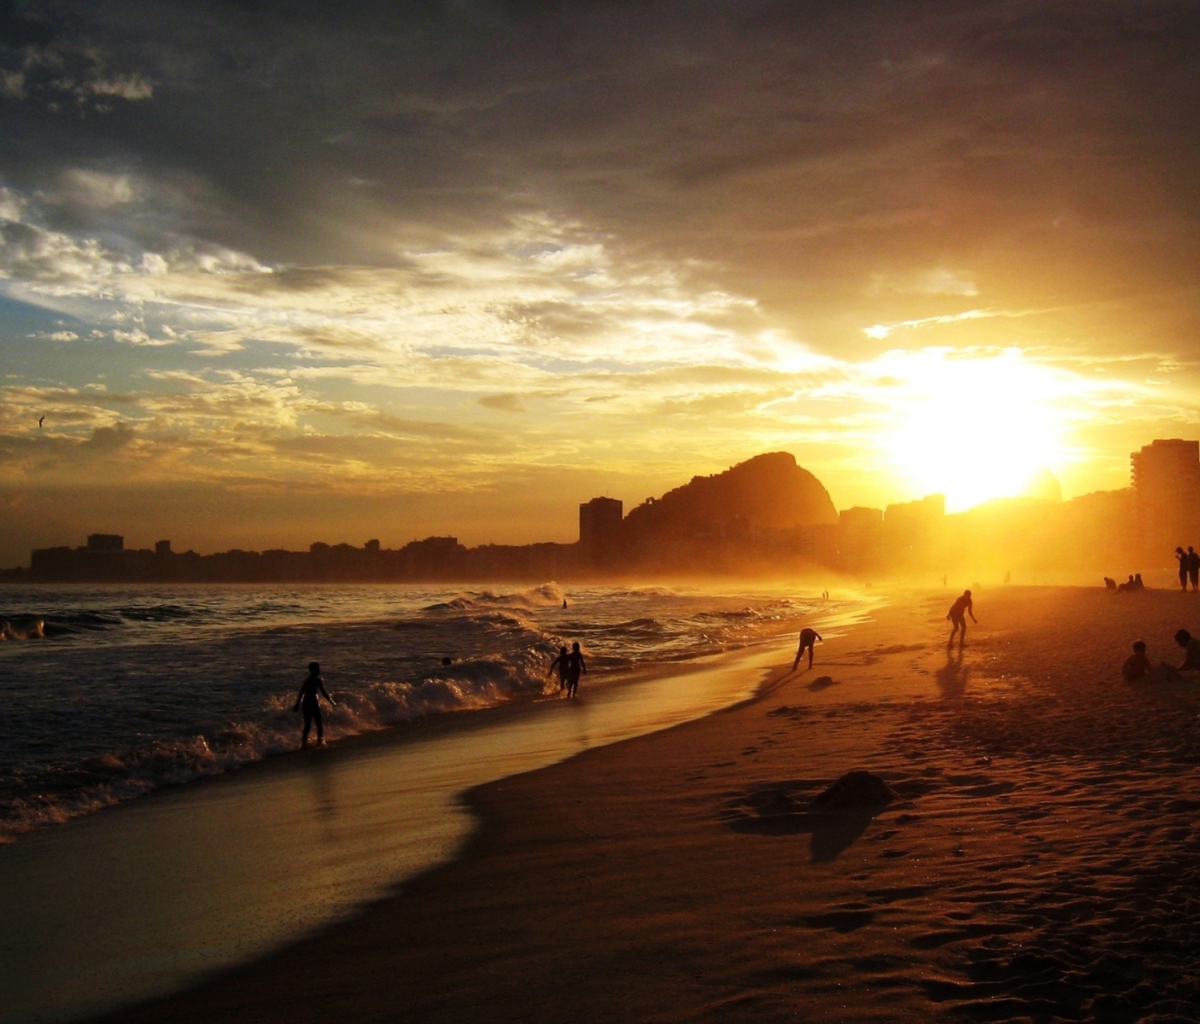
(131, 690)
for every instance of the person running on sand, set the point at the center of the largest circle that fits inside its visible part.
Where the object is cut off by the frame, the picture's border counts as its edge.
(307, 701)
(807, 639)
(1191, 647)
(575, 666)
(561, 664)
(957, 616)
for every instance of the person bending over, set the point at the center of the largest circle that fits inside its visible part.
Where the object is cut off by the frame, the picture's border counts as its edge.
(958, 617)
(307, 700)
(808, 638)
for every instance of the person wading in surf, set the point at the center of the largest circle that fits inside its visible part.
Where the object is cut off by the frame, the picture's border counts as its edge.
(561, 663)
(307, 700)
(575, 666)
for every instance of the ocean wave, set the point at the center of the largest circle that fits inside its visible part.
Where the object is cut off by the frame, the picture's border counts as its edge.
(29, 629)
(548, 595)
(69, 790)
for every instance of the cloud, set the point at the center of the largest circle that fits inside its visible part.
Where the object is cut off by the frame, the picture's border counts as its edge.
(505, 403)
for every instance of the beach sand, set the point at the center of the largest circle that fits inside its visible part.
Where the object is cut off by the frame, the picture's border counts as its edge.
(1039, 862)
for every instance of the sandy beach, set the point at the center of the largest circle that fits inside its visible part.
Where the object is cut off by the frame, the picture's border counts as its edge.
(1038, 862)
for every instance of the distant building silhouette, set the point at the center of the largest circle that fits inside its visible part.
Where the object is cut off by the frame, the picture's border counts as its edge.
(162, 548)
(600, 523)
(860, 537)
(1166, 489)
(913, 529)
(105, 542)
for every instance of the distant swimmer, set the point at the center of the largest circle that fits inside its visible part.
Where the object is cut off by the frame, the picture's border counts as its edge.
(575, 667)
(561, 663)
(957, 616)
(307, 701)
(564, 602)
(808, 639)
(1137, 667)
(1191, 647)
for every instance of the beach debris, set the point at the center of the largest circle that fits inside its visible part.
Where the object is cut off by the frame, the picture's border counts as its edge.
(854, 790)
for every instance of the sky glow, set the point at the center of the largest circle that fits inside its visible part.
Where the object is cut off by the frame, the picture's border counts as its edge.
(404, 275)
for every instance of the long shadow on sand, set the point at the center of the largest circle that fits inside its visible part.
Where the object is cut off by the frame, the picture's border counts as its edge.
(831, 833)
(952, 677)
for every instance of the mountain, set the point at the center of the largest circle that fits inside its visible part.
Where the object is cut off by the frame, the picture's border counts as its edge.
(766, 492)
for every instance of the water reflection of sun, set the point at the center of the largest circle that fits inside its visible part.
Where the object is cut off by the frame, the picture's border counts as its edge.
(972, 426)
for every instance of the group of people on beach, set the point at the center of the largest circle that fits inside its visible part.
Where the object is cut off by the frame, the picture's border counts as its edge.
(1137, 667)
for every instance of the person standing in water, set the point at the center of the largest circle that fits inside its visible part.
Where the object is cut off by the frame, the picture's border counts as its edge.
(560, 663)
(957, 616)
(808, 638)
(307, 700)
(575, 667)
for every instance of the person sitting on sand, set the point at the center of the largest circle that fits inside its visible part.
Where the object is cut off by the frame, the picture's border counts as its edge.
(561, 664)
(957, 616)
(1137, 664)
(1110, 583)
(307, 700)
(1137, 667)
(1127, 586)
(1191, 647)
(575, 666)
(808, 637)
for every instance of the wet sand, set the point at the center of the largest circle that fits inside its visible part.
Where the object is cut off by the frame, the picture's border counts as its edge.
(1039, 862)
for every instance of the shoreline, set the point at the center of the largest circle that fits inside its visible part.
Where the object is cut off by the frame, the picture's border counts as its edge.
(1037, 860)
(277, 794)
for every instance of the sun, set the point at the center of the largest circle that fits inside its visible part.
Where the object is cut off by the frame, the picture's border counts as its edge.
(972, 425)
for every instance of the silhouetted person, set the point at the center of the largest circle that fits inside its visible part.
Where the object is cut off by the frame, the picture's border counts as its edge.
(1137, 664)
(1191, 647)
(1137, 582)
(307, 701)
(1137, 667)
(41, 419)
(1185, 564)
(561, 663)
(564, 602)
(958, 617)
(446, 662)
(575, 667)
(1127, 586)
(808, 638)
(1110, 584)
(1193, 566)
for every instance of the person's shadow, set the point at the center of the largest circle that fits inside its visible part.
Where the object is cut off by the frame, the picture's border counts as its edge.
(952, 677)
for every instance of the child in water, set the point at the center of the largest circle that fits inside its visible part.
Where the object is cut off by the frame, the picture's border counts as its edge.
(307, 701)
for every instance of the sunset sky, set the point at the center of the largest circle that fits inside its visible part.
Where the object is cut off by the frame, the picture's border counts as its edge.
(283, 272)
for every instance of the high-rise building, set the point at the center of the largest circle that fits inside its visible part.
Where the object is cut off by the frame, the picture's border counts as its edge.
(1166, 489)
(600, 531)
